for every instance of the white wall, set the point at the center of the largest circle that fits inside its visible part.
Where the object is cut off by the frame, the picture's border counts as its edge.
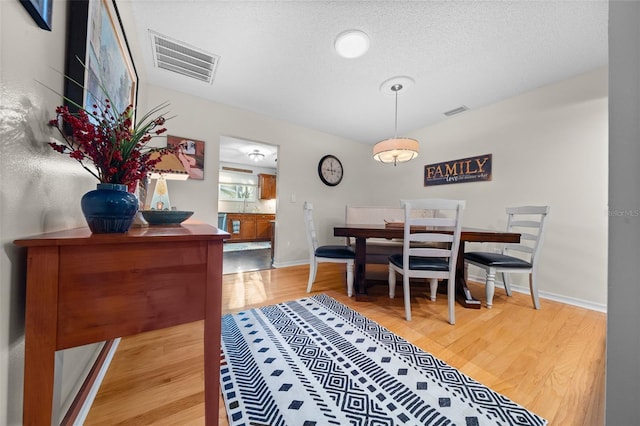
(299, 152)
(549, 146)
(40, 190)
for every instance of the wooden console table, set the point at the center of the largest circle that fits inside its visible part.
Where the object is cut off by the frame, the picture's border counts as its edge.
(84, 288)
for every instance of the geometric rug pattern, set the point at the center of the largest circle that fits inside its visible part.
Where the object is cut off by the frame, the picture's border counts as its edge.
(315, 361)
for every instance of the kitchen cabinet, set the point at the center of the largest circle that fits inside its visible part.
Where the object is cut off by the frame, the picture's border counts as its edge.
(267, 186)
(263, 226)
(249, 226)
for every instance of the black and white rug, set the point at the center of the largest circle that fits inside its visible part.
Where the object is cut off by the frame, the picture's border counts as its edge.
(314, 361)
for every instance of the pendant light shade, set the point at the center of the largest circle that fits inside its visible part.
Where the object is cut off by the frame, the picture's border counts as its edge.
(396, 150)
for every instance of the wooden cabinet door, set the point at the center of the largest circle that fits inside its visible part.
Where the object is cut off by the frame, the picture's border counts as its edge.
(234, 225)
(267, 186)
(248, 227)
(263, 226)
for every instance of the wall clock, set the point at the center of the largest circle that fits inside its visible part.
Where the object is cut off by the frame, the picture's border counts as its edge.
(330, 170)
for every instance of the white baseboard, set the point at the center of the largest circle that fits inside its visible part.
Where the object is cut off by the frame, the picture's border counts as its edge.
(291, 263)
(86, 406)
(548, 295)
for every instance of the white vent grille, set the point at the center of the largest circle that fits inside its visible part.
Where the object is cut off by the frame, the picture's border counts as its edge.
(175, 56)
(455, 111)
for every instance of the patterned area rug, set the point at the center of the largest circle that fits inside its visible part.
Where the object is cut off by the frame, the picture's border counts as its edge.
(315, 361)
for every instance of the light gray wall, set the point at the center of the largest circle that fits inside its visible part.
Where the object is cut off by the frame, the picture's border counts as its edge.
(549, 147)
(299, 151)
(40, 190)
(623, 319)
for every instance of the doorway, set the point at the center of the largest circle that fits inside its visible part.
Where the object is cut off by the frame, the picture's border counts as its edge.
(247, 199)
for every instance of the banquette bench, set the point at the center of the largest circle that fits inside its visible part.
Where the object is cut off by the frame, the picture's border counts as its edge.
(378, 249)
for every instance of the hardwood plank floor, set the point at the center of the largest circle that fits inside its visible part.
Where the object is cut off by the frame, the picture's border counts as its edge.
(552, 361)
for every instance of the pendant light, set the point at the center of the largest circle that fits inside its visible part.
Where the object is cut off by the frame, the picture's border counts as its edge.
(396, 150)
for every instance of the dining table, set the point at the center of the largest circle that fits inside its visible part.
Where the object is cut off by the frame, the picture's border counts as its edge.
(361, 232)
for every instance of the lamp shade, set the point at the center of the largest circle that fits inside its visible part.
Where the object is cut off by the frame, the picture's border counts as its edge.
(396, 150)
(170, 167)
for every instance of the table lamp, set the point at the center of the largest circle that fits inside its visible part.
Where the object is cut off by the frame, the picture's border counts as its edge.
(169, 168)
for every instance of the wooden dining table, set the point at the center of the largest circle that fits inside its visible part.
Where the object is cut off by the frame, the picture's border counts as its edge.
(361, 232)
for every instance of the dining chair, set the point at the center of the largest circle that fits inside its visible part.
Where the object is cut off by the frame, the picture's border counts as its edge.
(529, 221)
(326, 253)
(420, 258)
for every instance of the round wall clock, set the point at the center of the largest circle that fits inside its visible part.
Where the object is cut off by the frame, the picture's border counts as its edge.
(330, 170)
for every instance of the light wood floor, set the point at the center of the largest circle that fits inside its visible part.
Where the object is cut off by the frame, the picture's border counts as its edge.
(551, 361)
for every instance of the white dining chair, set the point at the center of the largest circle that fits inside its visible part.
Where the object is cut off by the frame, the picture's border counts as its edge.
(529, 221)
(429, 255)
(325, 253)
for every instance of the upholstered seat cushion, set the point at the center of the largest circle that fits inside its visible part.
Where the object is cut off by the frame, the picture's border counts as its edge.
(421, 263)
(496, 259)
(335, 252)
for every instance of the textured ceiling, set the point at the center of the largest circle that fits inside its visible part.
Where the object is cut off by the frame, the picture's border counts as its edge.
(277, 57)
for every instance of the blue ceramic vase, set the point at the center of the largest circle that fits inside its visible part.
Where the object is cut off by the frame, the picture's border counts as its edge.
(109, 209)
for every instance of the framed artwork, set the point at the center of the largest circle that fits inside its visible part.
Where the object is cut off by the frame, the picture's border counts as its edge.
(98, 57)
(40, 11)
(190, 152)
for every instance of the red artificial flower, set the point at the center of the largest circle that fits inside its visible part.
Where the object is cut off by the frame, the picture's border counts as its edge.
(109, 140)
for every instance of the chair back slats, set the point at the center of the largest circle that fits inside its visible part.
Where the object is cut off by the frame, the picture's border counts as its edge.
(528, 237)
(429, 252)
(433, 221)
(414, 229)
(519, 247)
(529, 221)
(312, 236)
(430, 237)
(528, 210)
(525, 224)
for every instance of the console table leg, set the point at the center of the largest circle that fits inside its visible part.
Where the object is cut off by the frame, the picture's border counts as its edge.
(40, 336)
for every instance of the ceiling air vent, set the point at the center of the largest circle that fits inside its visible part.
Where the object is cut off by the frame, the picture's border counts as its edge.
(455, 111)
(175, 56)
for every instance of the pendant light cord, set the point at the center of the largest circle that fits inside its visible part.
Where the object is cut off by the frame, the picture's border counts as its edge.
(396, 88)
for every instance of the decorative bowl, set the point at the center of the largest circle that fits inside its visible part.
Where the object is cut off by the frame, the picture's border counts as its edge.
(165, 217)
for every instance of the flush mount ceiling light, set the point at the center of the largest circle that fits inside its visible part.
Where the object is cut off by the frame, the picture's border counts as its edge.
(352, 44)
(256, 155)
(396, 150)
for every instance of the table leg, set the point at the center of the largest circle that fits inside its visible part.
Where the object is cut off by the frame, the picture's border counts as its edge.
(212, 325)
(40, 335)
(361, 270)
(463, 295)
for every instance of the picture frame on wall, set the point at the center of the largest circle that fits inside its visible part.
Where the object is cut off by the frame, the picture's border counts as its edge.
(40, 11)
(99, 62)
(190, 152)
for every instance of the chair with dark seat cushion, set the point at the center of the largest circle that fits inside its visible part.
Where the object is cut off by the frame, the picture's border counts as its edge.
(529, 221)
(429, 255)
(326, 253)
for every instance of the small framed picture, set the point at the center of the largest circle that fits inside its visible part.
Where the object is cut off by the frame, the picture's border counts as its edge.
(190, 152)
(40, 11)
